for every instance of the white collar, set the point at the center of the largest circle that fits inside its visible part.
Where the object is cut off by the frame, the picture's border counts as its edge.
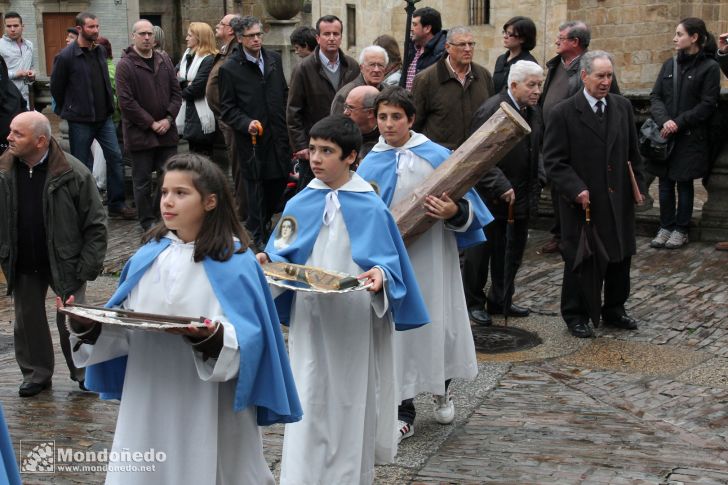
(593, 101)
(416, 139)
(355, 184)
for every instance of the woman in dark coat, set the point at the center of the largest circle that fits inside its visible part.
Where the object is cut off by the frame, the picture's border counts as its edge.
(519, 37)
(684, 117)
(195, 121)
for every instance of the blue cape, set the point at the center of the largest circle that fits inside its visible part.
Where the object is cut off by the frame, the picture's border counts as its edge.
(375, 241)
(265, 379)
(8, 464)
(380, 168)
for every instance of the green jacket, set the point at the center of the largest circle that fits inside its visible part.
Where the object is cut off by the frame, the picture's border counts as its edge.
(74, 218)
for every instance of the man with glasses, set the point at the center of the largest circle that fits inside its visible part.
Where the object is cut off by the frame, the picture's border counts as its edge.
(359, 106)
(253, 93)
(448, 93)
(149, 99)
(563, 81)
(314, 84)
(373, 62)
(224, 33)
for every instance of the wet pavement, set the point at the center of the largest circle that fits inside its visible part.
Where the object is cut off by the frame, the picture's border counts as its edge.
(649, 406)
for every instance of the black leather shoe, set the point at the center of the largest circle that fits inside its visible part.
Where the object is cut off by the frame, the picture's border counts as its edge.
(481, 317)
(515, 311)
(623, 321)
(29, 389)
(581, 330)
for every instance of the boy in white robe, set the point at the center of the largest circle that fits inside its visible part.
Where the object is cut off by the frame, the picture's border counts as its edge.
(427, 358)
(341, 345)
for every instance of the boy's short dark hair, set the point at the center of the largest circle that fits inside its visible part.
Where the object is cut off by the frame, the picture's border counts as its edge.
(396, 96)
(429, 16)
(304, 36)
(328, 19)
(340, 130)
(82, 17)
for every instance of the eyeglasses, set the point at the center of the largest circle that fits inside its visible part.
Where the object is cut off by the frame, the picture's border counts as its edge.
(561, 39)
(505, 33)
(259, 35)
(375, 65)
(348, 107)
(463, 44)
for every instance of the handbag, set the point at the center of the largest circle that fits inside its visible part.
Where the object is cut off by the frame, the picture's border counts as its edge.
(651, 144)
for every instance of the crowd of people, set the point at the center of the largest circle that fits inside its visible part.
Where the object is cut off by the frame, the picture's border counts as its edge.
(361, 135)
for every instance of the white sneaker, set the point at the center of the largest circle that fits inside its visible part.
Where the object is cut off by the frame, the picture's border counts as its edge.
(405, 430)
(444, 408)
(663, 235)
(677, 240)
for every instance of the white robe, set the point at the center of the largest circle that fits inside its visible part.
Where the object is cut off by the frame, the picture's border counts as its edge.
(341, 354)
(173, 401)
(426, 356)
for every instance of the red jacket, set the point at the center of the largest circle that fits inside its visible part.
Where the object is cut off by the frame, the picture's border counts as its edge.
(146, 96)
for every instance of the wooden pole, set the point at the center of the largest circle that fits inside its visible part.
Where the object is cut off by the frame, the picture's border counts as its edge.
(462, 170)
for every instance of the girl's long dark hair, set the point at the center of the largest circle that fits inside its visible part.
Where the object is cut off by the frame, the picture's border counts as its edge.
(706, 40)
(221, 224)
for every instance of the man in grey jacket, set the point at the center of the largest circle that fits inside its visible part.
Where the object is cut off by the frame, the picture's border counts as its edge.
(52, 233)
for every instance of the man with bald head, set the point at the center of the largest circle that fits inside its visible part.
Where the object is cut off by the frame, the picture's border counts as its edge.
(359, 106)
(149, 100)
(53, 234)
(373, 61)
(228, 43)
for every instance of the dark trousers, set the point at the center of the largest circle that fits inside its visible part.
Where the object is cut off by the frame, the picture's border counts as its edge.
(491, 255)
(241, 197)
(262, 206)
(80, 138)
(33, 344)
(144, 164)
(616, 291)
(406, 410)
(674, 217)
(556, 228)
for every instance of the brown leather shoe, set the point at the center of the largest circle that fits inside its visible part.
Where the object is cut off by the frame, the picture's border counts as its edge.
(722, 246)
(552, 246)
(126, 213)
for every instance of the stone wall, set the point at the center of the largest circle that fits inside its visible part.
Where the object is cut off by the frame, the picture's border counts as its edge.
(639, 32)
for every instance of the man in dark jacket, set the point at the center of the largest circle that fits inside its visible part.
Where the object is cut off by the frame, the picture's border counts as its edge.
(448, 93)
(52, 232)
(253, 93)
(428, 44)
(514, 181)
(563, 81)
(82, 90)
(149, 100)
(588, 141)
(224, 33)
(314, 83)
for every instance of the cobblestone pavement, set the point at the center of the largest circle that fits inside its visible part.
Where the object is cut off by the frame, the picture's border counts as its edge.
(649, 406)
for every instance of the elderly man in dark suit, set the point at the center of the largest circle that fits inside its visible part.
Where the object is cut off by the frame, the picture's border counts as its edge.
(589, 140)
(513, 181)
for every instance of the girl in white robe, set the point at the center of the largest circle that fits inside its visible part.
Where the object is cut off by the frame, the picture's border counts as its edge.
(179, 390)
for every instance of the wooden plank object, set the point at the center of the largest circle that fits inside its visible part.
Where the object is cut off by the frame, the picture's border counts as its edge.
(462, 170)
(314, 277)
